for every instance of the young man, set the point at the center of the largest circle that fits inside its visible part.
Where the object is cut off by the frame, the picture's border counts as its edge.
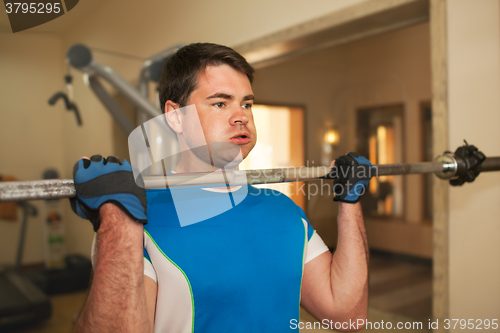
(244, 268)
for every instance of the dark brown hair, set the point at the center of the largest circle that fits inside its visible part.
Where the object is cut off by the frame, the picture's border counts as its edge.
(180, 72)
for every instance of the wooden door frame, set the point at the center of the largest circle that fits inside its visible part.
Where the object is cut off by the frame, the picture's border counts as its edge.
(440, 135)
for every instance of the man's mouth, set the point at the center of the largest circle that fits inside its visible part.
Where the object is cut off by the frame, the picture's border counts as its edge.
(240, 139)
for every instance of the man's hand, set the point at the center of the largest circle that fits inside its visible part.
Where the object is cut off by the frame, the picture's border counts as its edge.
(353, 175)
(335, 287)
(100, 180)
(107, 195)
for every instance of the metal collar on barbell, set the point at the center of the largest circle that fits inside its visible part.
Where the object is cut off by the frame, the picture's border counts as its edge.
(450, 165)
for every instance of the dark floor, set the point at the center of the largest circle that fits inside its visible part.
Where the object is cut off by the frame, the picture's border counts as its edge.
(64, 310)
(401, 285)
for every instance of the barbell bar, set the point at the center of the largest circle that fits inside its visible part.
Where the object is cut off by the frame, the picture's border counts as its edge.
(446, 166)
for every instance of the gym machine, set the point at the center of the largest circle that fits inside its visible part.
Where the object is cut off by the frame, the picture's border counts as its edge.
(22, 303)
(23, 298)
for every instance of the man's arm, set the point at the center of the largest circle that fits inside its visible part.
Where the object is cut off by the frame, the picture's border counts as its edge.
(117, 300)
(336, 287)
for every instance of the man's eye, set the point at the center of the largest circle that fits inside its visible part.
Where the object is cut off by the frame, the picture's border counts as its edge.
(219, 104)
(247, 106)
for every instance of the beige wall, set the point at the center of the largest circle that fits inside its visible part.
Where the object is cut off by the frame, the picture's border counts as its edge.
(392, 68)
(35, 136)
(474, 114)
(134, 27)
(31, 131)
(141, 29)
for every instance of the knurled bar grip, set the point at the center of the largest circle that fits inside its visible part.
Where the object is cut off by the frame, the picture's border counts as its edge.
(64, 188)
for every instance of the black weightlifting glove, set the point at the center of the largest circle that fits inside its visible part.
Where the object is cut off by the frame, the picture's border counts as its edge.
(353, 175)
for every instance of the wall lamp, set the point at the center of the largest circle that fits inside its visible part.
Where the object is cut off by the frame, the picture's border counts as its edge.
(331, 137)
(330, 141)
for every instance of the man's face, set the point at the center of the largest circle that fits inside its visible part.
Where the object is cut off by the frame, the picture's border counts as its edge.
(223, 98)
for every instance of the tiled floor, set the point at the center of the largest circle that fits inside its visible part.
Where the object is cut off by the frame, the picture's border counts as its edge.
(400, 292)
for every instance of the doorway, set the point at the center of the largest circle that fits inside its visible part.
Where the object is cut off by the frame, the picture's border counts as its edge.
(280, 144)
(370, 90)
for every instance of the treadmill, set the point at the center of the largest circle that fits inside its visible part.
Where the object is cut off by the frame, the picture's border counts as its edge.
(21, 302)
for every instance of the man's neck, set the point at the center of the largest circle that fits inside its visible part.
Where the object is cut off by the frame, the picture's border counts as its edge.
(188, 166)
(184, 167)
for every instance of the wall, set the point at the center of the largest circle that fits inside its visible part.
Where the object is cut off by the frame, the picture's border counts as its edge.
(392, 68)
(142, 30)
(474, 105)
(31, 131)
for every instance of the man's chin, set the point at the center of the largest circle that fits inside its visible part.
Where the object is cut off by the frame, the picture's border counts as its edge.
(227, 165)
(225, 155)
(228, 159)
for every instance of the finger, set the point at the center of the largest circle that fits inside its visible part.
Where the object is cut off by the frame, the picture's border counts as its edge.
(96, 158)
(83, 161)
(332, 164)
(113, 159)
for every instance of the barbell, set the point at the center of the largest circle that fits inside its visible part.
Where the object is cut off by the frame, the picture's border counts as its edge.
(462, 166)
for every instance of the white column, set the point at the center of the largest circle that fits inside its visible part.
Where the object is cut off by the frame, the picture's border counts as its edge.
(474, 115)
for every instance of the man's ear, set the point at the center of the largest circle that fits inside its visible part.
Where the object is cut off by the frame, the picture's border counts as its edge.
(172, 114)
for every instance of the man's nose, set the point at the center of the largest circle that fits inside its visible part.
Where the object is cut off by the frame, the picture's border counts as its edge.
(238, 116)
